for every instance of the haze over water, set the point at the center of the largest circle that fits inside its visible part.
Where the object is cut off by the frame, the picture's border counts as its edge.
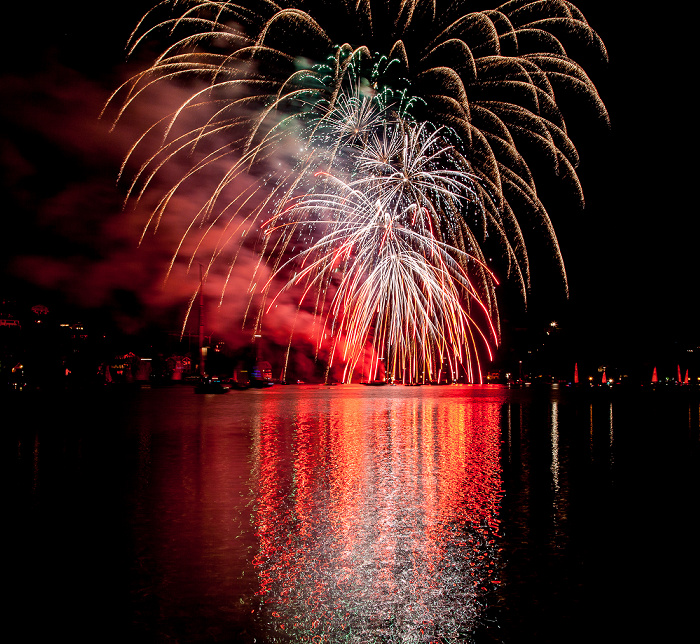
(352, 514)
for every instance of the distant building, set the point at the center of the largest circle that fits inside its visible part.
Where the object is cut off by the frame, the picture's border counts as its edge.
(9, 321)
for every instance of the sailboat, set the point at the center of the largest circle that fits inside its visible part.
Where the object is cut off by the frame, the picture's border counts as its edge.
(207, 384)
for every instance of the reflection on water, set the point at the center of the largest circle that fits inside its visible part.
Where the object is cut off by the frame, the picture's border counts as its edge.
(345, 514)
(376, 516)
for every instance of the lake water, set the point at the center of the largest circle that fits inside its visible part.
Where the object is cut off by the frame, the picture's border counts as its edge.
(352, 514)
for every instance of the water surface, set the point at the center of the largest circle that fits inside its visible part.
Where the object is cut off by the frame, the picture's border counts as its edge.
(352, 514)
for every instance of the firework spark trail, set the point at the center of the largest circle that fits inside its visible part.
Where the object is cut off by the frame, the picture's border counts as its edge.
(273, 79)
(399, 285)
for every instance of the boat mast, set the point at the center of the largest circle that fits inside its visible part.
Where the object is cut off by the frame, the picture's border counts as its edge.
(201, 323)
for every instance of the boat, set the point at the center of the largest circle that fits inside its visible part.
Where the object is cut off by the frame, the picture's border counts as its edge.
(209, 385)
(261, 375)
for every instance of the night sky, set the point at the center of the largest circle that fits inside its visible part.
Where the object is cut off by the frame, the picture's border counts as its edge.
(630, 254)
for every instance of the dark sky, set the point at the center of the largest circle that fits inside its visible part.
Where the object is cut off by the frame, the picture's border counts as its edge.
(630, 253)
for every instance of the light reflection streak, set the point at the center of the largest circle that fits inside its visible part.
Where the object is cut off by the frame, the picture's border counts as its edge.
(509, 432)
(378, 522)
(554, 432)
(35, 464)
(611, 433)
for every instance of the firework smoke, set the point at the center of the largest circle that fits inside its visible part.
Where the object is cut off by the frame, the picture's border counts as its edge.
(327, 150)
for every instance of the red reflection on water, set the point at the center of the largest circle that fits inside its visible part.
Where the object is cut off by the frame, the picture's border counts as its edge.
(190, 521)
(377, 516)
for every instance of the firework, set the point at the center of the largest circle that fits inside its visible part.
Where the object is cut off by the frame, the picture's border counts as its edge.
(397, 280)
(354, 86)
